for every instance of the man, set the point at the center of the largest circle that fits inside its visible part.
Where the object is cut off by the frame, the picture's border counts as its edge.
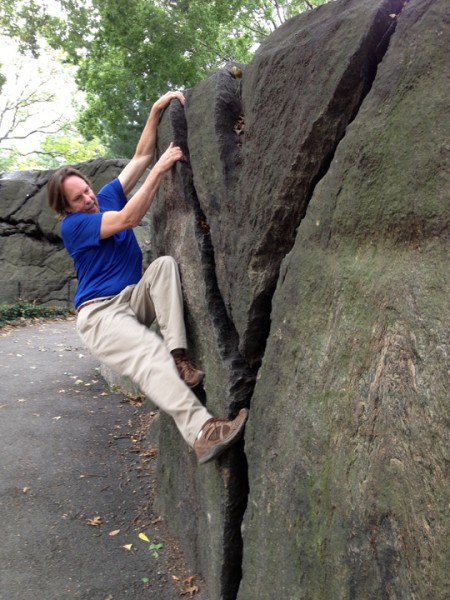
(115, 304)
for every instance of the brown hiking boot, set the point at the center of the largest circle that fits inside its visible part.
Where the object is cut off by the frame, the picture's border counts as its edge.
(188, 371)
(217, 435)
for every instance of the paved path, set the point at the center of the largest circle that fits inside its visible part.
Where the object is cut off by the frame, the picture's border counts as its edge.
(73, 455)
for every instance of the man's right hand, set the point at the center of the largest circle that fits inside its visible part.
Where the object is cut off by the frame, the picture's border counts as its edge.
(165, 100)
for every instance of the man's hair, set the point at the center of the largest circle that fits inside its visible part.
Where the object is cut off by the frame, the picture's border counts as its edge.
(55, 195)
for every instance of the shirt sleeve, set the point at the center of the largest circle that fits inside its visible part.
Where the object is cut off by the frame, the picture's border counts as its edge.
(111, 196)
(81, 231)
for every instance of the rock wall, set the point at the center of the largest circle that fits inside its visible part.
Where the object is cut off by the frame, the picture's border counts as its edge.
(312, 231)
(311, 226)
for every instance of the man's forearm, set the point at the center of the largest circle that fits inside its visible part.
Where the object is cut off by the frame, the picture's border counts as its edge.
(145, 149)
(147, 142)
(137, 207)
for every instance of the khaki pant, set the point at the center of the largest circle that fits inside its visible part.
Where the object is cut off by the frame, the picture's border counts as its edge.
(116, 331)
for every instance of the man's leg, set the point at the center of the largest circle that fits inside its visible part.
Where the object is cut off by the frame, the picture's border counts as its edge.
(158, 294)
(114, 335)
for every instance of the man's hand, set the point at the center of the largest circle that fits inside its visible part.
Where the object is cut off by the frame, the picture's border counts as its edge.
(165, 100)
(169, 158)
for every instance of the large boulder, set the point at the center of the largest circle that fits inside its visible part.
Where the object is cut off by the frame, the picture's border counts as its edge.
(348, 440)
(313, 216)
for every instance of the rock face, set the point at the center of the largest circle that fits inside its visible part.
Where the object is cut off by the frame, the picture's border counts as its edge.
(311, 226)
(312, 232)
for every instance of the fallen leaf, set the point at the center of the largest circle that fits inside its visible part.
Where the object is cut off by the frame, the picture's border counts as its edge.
(95, 522)
(25, 490)
(114, 533)
(189, 589)
(142, 536)
(154, 549)
(128, 546)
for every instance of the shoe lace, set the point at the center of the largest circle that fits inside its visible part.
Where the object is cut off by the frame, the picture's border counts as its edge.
(214, 427)
(184, 364)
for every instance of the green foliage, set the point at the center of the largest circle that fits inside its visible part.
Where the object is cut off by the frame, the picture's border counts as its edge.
(8, 159)
(56, 150)
(65, 148)
(130, 53)
(26, 21)
(15, 313)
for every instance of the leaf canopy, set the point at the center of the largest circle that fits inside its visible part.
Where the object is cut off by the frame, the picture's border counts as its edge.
(130, 53)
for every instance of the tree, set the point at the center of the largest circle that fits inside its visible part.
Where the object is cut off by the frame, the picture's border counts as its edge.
(35, 109)
(27, 22)
(18, 112)
(129, 53)
(66, 147)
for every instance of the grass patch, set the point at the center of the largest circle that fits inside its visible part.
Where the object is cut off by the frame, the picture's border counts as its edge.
(21, 311)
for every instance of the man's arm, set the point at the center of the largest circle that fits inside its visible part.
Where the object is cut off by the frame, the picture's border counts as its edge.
(135, 209)
(145, 149)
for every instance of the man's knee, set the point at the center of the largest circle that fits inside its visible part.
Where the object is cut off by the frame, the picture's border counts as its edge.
(164, 265)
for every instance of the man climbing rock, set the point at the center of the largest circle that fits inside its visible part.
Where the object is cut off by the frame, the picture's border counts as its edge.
(116, 304)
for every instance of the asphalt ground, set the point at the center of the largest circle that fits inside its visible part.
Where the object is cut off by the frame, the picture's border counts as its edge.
(77, 480)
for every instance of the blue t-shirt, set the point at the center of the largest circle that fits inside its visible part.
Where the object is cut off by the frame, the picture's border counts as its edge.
(104, 267)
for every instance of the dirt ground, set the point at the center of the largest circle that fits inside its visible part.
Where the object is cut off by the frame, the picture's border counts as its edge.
(77, 480)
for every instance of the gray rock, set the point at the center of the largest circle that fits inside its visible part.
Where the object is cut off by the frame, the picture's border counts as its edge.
(348, 438)
(323, 191)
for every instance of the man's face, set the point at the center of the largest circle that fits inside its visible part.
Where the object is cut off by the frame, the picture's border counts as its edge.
(79, 196)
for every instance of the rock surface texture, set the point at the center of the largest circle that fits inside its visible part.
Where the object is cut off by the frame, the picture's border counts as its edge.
(311, 226)
(312, 232)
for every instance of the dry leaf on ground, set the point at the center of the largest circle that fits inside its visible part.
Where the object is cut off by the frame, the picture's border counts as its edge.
(95, 521)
